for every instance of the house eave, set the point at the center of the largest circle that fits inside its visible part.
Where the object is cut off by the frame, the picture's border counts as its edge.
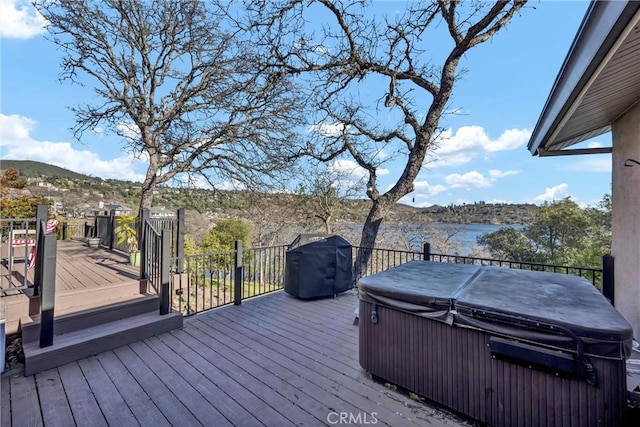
(603, 29)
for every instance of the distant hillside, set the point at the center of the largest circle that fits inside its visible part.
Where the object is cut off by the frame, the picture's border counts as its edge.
(241, 204)
(31, 169)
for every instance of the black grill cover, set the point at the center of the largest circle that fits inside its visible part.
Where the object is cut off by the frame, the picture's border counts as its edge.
(318, 265)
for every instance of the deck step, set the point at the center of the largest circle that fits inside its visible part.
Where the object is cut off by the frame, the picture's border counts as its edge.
(82, 343)
(97, 296)
(90, 316)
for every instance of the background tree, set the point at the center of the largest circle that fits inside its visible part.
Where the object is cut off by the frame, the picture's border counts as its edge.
(324, 193)
(558, 227)
(15, 200)
(354, 47)
(561, 232)
(223, 235)
(508, 244)
(182, 91)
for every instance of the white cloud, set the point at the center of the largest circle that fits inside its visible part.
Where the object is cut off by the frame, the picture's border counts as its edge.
(552, 193)
(349, 170)
(17, 144)
(20, 20)
(327, 129)
(191, 181)
(421, 194)
(594, 144)
(469, 180)
(495, 173)
(595, 163)
(426, 188)
(230, 184)
(472, 141)
(128, 131)
(475, 179)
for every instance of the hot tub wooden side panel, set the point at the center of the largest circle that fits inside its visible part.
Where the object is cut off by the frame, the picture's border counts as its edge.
(453, 367)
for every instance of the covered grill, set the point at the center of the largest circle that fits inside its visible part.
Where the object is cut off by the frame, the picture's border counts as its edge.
(506, 347)
(318, 265)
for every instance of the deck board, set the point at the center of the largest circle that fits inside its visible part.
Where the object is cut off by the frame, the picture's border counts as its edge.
(53, 400)
(173, 409)
(112, 404)
(84, 406)
(223, 389)
(5, 403)
(272, 361)
(317, 365)
(144, 409)
(200, 356)
(24, 402)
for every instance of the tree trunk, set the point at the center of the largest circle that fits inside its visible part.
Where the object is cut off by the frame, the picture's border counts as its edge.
(148, 186)
(369, 235)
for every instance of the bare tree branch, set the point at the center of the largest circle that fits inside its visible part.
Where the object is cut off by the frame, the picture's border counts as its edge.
(181, 85)
(358, 50)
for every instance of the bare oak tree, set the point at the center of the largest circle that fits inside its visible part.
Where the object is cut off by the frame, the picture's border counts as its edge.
(181, 89)
(380, 84)
(325, 192)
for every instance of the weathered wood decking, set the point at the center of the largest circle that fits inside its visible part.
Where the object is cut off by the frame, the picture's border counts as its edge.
(85, 277)
(273, 361)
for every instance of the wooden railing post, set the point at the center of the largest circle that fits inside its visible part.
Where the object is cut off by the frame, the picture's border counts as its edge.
(237, 284)
(426, 251)
(47, 254)
(180, 241)
(111, 229)
(165, 265)
(608, 283)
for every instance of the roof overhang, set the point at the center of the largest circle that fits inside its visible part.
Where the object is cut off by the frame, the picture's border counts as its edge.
(598, 82)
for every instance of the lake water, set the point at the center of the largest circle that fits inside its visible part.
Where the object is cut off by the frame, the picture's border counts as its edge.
(466, 234)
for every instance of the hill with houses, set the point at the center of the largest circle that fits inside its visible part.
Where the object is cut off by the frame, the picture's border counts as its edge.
(80, 195)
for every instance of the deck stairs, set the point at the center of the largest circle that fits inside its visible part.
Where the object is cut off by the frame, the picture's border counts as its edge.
(85, 328)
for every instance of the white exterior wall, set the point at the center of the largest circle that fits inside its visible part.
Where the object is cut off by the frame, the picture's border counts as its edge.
(625, 220)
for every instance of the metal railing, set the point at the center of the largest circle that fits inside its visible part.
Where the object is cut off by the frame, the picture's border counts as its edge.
(155, 268)
(383, 259)
(214, 280)
(18, 240)
(209, 281)
(72, 231)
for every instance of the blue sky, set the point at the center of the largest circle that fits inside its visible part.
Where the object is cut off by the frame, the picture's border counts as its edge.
(497, 104)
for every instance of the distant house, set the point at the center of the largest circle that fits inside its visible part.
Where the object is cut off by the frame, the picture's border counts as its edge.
(161, 212)
(106, 208)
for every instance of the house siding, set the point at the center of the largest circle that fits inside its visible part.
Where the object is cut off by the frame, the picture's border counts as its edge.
(625, 221)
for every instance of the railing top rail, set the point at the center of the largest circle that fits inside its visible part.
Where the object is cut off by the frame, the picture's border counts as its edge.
(529, 263)
(257, 248)
(481, 259)
(231, 252)
(17, 219)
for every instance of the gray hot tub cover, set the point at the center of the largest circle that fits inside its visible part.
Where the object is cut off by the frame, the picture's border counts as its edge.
(549, 309)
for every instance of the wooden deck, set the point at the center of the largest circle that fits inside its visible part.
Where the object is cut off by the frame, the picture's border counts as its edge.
(273, 361)
(84, 277)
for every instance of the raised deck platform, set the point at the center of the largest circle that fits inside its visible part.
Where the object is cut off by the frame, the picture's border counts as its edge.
(272, 361)
(85, 278)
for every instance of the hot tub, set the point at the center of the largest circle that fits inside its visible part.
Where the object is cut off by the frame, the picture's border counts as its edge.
(506, 347)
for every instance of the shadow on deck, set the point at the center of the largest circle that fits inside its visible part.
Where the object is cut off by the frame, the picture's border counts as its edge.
(272, 361)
